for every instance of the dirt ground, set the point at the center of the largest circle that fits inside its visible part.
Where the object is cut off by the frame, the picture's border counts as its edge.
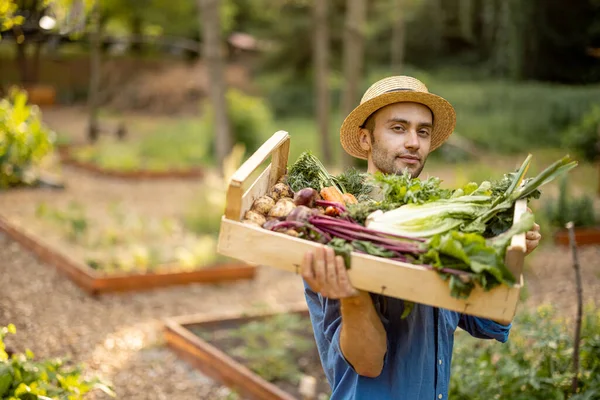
(120, 337)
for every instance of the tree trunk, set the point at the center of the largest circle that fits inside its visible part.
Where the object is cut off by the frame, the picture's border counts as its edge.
(398, 37)
(95, 65)
(211, 50)
(466, 19)
(321, 60)
(136, 32)
(354, 34)
(22, 65)
(35, 67)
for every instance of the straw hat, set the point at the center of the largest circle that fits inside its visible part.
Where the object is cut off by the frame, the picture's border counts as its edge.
(391, 90)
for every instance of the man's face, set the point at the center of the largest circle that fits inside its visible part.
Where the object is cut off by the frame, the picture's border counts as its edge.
(400, 138)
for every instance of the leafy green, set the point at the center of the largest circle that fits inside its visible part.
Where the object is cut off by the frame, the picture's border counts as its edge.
(479, 212)
(24, 140)
(403, 189)
(471, 252)
(344, 248)
(535, 364)
(21, 377)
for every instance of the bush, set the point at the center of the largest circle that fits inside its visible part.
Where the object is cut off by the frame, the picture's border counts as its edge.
(249, 117)
(584, 137)
(566, 208)
(24, 140)
(536, 362)
(23, 378)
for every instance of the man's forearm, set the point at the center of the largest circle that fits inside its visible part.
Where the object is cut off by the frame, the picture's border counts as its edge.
(363, 339)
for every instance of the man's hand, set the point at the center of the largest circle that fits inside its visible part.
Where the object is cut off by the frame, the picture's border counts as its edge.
(326, 274)
(533, 237)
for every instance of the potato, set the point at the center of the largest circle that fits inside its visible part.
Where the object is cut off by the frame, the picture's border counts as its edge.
(280, 191)
(263, 205)
(292, 232)
(282, 208)
(256, 217)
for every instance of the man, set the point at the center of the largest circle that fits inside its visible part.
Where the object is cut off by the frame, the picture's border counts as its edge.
(367, 350)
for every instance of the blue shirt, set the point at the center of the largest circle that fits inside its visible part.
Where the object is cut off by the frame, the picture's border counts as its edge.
(419, 351)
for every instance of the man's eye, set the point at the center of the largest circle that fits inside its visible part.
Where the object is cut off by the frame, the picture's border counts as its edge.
(398, 128)
(424, 133)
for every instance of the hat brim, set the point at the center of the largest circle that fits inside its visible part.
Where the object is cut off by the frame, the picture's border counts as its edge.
(444, 118)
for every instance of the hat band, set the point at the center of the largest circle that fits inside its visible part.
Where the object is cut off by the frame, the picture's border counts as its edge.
(399, 90)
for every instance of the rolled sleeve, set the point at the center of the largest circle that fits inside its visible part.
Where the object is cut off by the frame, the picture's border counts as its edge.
(484, 328)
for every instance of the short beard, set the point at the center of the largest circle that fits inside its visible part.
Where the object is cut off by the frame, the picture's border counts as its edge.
(386, 164)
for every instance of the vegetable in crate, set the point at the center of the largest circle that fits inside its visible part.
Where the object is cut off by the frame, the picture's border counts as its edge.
(467, 213)
(453, 221)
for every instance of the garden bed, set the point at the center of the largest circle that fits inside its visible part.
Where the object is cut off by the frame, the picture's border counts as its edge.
(260, 357)
(95, 282)
(583, 236)
(67, 158)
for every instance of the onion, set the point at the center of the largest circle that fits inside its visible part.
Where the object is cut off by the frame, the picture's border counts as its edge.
(306, 197)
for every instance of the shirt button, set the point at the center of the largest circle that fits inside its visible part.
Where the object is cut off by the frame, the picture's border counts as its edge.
(440, 361)
(440, 396)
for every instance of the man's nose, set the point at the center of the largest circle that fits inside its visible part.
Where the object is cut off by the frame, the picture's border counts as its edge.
(412, 141)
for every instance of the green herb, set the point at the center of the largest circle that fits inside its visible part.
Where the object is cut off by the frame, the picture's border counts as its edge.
(403, 189)
(309, 172)
(356, 183)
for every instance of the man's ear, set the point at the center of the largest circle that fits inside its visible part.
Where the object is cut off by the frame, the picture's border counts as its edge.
(365, 139)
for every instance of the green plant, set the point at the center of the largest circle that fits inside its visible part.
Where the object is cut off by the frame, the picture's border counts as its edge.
(536, 362)
(272, 346)
(73, 220)
(584, 136)
(24, 140)
(23, 378)
(566, 208)
(249, 117)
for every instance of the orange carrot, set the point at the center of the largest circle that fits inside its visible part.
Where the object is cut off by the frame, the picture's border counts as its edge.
(349, 198)
(332, 193)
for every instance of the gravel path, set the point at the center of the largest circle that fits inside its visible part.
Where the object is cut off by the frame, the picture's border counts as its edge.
(120, 336)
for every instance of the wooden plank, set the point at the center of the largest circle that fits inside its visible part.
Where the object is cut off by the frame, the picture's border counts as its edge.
(94, 282)
(241, 175)
(218, 365)
(515, 253)
(233, 208)
(258, 189)
(401, 280)
(136, 282)
(80, 273)
(279, 162)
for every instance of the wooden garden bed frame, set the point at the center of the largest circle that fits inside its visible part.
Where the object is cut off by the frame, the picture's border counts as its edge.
(373, 274)
(214, 362)
(67, 158)
(95, 282)
(583, 237)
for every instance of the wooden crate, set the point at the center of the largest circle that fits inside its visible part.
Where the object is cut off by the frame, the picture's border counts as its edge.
(392, 278)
